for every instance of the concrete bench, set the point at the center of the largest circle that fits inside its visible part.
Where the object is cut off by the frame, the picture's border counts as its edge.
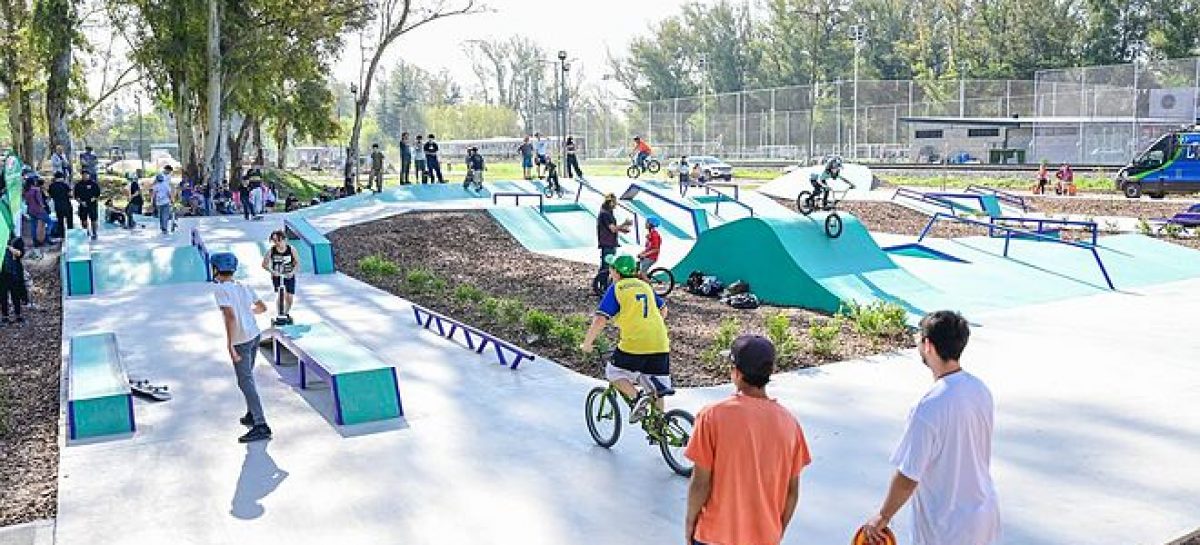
(98, 398)
(198, 243)
(476, 339)
(364, 387)
(319, 246)
(77, 263)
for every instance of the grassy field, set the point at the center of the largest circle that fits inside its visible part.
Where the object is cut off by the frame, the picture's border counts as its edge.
(1096, 184)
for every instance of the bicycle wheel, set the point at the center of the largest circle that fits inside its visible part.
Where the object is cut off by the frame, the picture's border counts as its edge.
(603, 416)
(833, 225)
(653, 166)
(633, 171)
(676, 432)
(662, 281)
(804, 203)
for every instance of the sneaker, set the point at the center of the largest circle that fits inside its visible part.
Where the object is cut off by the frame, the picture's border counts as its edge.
(247, 420)
(641, 406)
(259, 432)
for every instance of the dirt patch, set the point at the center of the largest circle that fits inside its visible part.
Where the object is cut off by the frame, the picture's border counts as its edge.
(1114, 205)
(29, 392)
(471, 249)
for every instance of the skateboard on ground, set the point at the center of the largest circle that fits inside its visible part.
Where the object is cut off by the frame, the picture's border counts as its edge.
(143, 388)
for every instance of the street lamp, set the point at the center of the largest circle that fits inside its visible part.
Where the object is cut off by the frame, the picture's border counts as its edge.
(562, 106)
(703, 63)
(1134, 51)
(352, 149)
(858, 33)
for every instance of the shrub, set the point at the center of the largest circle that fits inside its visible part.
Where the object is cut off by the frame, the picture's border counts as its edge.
(568, 333)
(1172, 230)
(490, 306)
(1143, 227)
(511, 311)
(539, 323)
(877, 319)
(730, 327)
(378, 266)
(423, 280)
(466, 293)
(779, 330)
(824, 335)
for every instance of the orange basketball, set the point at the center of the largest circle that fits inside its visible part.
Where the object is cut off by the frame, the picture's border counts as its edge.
(860, 537)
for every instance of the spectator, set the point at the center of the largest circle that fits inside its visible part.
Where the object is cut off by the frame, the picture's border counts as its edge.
(526, 151)
(243, 197)
(60, 195)
(419, 160)
(431, 160)
(88, 162)
(134, 206)
(186, 194)
(292, 203)
(1043, 179)
(607, 238)
(1066, 180)
(163, 198)
(749, 452)
(573, 169)
(112, 214)
(376, 169)
(683, 172)
(35, 210)
(256, 200)
(59, 162)
(269, 197)
(540, 147)
(945, 453)
(87, 194)
(12, 280)
(406, 154)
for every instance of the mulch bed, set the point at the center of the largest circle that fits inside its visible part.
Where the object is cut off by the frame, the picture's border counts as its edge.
(29, 389)
(470, 248)
(1111, 205)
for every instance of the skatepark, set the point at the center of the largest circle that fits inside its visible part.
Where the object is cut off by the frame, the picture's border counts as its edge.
(1085, 378)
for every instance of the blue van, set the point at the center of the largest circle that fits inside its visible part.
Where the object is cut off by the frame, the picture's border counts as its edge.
(1170, 165)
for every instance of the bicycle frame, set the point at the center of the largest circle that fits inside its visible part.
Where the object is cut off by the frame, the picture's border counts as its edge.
(655, 416)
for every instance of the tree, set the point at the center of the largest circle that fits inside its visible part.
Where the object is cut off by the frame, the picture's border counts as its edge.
(402, 94)
(512, 73)
(56, 33)
(16, 75)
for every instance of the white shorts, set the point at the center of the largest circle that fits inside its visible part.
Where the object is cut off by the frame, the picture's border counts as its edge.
(661, 383)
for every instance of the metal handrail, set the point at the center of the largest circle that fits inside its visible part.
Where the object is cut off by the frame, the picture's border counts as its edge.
(710, 187)
(517, 197)
(1095, 229)
(1008, 238)
(637, 223)
(918, 196)
(1002, 195)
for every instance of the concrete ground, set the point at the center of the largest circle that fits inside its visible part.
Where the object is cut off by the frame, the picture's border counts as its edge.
(1092, 393)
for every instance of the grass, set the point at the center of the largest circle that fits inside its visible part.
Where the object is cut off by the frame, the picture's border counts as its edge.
(377, 266)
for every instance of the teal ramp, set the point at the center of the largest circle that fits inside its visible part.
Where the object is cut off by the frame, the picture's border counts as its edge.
(125, 269)
(667, 226)
(792, 262)
(559, 230)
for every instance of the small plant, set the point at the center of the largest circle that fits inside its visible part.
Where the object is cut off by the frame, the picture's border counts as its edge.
(824, 335)
(1172, 230)
(730, 327)
(422, 280)
(511, 311)
(467, 294)
(1143, 227)
(539, 324)
(377, 266)
(779, 331)
(490, 307)
(879, 319)
(568, 333)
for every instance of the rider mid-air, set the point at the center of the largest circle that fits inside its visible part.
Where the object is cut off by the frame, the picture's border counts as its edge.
(820, 182)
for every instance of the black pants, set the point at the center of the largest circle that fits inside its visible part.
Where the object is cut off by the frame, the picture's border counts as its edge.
(134, 207)
(12, 288)
(431, 162)
(405, 164)
(66, 220)
(573, 169)
(420, 171)
(244, 196)
(600, 283)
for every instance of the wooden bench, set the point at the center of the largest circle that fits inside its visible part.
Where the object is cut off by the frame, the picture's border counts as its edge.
(98, 398)
(476, 339)
(319, 246)
(364, 387)
(77, 263)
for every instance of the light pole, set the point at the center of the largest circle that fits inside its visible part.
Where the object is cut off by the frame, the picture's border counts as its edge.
(352, 151)
(858, 33)
(1134, 50)
(141, 140)
(703, 105)
(562, 107)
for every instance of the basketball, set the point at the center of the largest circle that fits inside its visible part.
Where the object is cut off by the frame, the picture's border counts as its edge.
(860, 537)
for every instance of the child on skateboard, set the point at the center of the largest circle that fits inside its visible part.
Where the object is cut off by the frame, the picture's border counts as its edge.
(238, 305)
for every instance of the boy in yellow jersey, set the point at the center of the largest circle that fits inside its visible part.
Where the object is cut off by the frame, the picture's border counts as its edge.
(642, 348)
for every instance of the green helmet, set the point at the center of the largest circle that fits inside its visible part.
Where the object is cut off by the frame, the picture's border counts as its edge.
(625, 265)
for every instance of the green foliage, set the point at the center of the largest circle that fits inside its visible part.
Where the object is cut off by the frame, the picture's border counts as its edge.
(779, 331)
(539, 323)
(423, 280)
(568, 333)
(726, 333)
(470, 120)
(511, 311)
(490, 307)
(823, 335)
(377, 266)
(878, 319)
(1143, 227)
(1172, 230)
(466, 293)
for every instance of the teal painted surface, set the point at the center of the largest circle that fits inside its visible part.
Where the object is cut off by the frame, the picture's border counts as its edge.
(667, 226)
(337, 354)
(558, 230)
(431, 193)
(915, 251)
(101, 416)
(320, 250)
(125, 269)
(367, 396)
(991, 205)
(79, 276)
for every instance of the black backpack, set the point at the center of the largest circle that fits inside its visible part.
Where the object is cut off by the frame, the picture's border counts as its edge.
(693, 282)
(743, 301)
(737, 287)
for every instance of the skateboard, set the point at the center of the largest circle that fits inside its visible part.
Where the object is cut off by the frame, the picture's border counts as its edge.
(143, 388)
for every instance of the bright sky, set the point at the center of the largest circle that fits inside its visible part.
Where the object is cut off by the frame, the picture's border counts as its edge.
(586, 29)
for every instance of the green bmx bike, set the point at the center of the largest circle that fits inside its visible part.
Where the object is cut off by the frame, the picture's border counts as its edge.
(670, 430)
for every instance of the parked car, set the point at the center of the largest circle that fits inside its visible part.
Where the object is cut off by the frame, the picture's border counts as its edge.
(712, 167)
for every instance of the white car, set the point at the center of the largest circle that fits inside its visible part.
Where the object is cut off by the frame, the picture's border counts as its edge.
(712, 167)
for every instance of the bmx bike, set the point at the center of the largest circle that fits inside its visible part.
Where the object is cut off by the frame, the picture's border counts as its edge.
(670, 430)
(650, 165)
(552, 189)
(806, 203)
(661, 280)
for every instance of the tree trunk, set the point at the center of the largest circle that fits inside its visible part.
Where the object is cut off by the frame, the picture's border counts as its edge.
(184, 126)
(256, 134)
(58, 83)
(281, 142)
(237, 147)
(20, 124)
(213, 166)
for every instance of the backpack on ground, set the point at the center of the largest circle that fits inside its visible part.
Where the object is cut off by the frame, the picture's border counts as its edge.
(711, 287)
(743, 301)
(693, 282)
(737, 287)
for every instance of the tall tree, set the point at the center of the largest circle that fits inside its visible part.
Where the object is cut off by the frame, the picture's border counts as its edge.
(16, 75)
(56, 32)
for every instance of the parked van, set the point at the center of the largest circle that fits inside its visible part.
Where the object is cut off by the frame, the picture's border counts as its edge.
(1170, 165)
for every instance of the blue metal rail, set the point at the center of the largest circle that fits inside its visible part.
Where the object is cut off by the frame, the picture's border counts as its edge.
(711, 187)
(918, 196)
(1009, 231)
(637, 223)
(516, 195)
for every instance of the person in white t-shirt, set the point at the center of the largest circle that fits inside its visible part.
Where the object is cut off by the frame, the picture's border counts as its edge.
(945, 454)
(239, 304)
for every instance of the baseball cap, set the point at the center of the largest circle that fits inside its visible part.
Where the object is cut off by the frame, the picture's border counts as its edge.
(625, 265)
(753, 355)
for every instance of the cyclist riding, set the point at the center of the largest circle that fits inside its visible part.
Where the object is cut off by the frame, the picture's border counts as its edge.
(643, 347)
(642, 152)
(820, 182)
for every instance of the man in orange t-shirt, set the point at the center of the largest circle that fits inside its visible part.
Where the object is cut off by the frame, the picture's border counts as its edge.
(749, 451)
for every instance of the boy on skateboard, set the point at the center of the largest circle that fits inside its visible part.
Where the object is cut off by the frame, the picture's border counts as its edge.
(238, 305)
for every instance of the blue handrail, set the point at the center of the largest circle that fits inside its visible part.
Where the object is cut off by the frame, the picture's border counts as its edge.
(917, 195)
(1008, 238)
(517, 197)
(711, 187)
(637, 223)
(1005, 196)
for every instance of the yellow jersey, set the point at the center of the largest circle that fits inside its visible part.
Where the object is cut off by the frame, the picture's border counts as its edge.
(634, 308)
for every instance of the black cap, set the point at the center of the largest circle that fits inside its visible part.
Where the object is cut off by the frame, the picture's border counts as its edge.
(753, 355)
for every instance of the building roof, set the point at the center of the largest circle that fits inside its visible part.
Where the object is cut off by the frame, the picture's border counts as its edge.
(1043, 120)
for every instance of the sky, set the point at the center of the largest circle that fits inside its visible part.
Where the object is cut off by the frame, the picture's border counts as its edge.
(585, 29)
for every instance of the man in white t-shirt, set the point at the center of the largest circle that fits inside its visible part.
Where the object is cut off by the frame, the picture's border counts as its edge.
(945, 454)
(238, 305)
(541, 147)
(163, 197)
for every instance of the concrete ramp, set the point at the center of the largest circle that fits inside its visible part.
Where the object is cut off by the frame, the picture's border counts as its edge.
(791, 184)
(792, 262)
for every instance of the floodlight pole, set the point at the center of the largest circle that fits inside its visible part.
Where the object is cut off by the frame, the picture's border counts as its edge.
(858, 33)
(1134, 50)
(562, 106)
(704, 105)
